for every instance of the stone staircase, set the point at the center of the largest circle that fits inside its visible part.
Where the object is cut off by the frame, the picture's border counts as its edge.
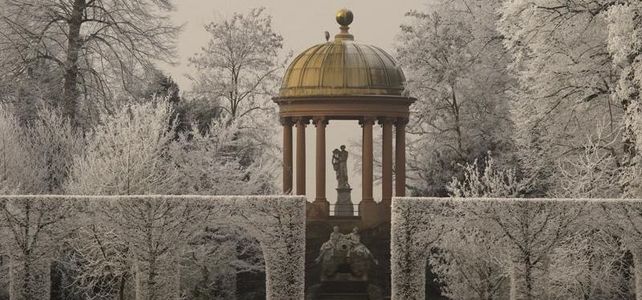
(343, 290)
(344, 296)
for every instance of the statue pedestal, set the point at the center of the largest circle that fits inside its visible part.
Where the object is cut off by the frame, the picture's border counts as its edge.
(344, 206)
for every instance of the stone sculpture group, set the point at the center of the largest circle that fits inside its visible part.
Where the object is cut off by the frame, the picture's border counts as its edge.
(345, 249)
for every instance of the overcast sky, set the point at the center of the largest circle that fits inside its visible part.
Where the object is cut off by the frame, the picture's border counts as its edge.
(302, 24)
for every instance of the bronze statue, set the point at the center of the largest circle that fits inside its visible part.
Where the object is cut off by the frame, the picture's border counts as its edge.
(340, 165)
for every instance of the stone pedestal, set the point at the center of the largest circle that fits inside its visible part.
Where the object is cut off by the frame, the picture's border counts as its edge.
(344, 206)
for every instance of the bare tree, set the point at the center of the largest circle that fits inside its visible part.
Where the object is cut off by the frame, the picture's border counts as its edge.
(93, 43)
(529, 228)
(31, 229)
(240, 64)
(239, 70)
(470, 264)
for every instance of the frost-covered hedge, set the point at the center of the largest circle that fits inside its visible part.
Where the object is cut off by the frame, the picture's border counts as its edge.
(526, 247)
(155, 230)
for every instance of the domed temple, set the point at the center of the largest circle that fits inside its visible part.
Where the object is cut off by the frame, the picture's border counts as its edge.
(345, 80)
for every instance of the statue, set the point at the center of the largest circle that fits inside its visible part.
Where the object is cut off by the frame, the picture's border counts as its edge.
(345, 252)
(340, 165)
(343, 206)
(357, 247)
(330, 244)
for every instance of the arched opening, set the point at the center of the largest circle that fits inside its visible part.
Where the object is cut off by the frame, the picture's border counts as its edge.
(4, 276)
(223, 262)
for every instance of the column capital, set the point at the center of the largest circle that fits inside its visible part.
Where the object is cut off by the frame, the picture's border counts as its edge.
(320, 121)
(367, 121)
(286, 121)
(386, 120)
(401, 122)
(301, 120)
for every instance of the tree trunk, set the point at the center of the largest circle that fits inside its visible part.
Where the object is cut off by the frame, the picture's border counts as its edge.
(121, 288)
(637, 271)
(29, 277)
(70, 88)
(521, 279)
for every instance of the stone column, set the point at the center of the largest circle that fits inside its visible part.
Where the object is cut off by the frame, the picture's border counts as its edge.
(320, 198)
(300, 155)
(367, 157)
(400, 158)
(368, 208)
(287, 155)
(386, 162)
(386, 168)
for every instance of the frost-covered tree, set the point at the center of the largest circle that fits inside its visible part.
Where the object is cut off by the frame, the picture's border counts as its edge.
(212, 162)
(413, 236)
(15, 166)
(137, 151)
(486, 179)
(457, 69)
(624, 32)
(472, 267)
(148, 236)
(566, 82)
(592, 173)
(589, 265)
(469, 263)
(216, 257)
(623, 43)
(94, 46)
(128, 154)
(96, 260)
(32, 230)
(35, 158)
(570, 248)
(239, 71)
(236, 152)
(577, 62)
(240, 65)
(623, 219)
(156, 232)
(528, 229)
(52, 144)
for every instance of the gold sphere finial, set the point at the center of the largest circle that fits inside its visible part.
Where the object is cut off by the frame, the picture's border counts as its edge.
(344, 17)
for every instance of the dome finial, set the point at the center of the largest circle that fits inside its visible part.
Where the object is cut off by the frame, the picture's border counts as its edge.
(344, 18)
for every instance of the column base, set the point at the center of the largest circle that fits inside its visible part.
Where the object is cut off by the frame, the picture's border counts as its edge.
(385, 209)
(369, 213)
(323, 206)
(315, 211)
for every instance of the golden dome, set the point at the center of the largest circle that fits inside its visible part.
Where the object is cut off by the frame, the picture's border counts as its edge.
(343, 68)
